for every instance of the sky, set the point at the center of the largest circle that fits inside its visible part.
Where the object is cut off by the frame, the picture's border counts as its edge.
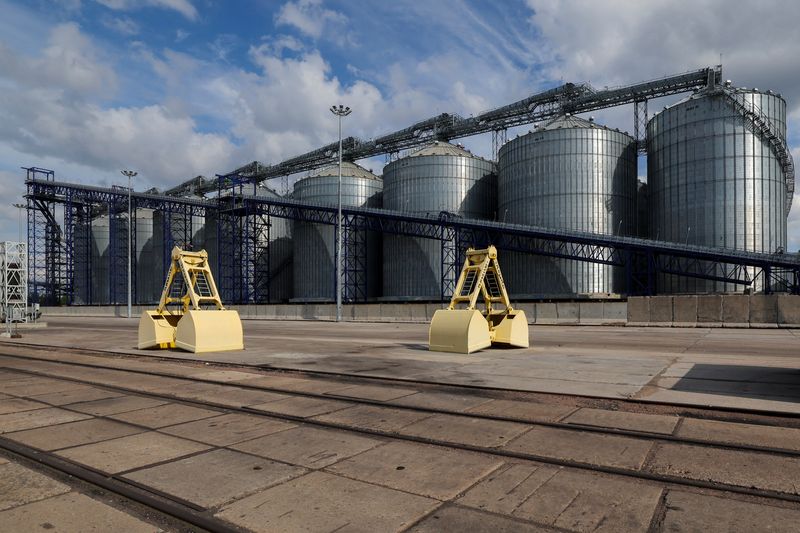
(179, 88)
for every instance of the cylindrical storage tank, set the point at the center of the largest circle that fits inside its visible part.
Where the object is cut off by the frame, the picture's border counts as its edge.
(569, 174)
(439, 177)
(100, 260)
(713, 182)
(149, 280)
(274, 256)
(314, 258)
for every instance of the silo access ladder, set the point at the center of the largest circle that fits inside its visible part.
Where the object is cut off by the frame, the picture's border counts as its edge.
(468, 330)
(190, 283)
(761, 125)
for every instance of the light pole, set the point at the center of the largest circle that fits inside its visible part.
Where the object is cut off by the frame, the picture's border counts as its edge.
(19, 207)
(340, 111)
(129, 174)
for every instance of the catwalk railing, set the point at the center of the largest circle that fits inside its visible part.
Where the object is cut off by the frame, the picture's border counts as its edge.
(243, 222)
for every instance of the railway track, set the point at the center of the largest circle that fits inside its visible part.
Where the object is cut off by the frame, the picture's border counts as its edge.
(55, 370)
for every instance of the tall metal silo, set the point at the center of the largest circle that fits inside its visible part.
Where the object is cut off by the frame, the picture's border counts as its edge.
(569, 174)
(439, 177)
(715, 180)
(100, 260)
(315, 244)
(149, 277)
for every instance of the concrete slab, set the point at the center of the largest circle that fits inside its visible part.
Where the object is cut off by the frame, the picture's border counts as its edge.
(308, 446)
(73, 434)
(228, 429)
(71, 512)
(442, 400)
(318, 386)
(736, 309)
(302, 406)
(524, 410)
(571, 499)
(374, 417)
(623, 420)
(15, 405)
(112, 406)
(660, 309)
(763, 309)
(380, 393)
(37, 418)
(456, 519)
(216, 477)
(165, 415)
(788, 309)
(20, 485)
(508, 487)
(711, 514)
(135, 451)
(231, 396)
(329, 503)
(432, 471)
(598, 449)
(467, 430)
(744, 469)
(43, 386)
(638, 310)
(84, 394)
(225, 376)
(737, 433)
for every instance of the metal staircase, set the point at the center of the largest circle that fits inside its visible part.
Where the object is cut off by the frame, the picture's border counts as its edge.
(761, 125)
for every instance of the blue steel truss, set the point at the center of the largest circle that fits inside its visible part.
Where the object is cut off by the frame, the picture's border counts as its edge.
(243, 222)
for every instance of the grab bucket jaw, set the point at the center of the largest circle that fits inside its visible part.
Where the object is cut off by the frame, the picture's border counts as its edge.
(510, 328)
(157, 330)
(215, 330)
(458, 331)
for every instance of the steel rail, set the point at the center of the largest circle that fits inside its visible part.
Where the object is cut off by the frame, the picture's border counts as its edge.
(569, 463)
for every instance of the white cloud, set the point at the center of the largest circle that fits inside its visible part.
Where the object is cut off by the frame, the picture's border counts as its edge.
(314, 20)
(184, 7)
(122, 25)
(59, 115)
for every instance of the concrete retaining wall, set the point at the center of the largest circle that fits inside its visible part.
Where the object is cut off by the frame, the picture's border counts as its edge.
(729, 310)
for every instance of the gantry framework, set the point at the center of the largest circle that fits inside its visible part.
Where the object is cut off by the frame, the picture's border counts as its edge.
(243, 220)
(13, 281)
(567, 98)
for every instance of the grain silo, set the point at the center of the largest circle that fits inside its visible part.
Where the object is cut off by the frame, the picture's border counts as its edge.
(439, 177)
(315, 244)
(149, 282)
(569, 174)
(714, 179)
(100, 259)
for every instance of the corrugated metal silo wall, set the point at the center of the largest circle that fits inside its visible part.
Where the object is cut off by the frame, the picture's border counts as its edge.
(148, 260)
(573, 178)
(314, 244)
(713, 182)
(99, 254)
(430, 184)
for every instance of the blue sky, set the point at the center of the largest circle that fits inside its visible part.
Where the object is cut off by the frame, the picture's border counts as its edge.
(177, 88)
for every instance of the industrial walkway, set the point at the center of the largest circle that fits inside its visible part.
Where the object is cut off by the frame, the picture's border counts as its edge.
(719, 367)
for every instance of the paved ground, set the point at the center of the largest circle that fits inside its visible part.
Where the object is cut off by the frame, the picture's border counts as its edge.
(739, 368)
(264, 473)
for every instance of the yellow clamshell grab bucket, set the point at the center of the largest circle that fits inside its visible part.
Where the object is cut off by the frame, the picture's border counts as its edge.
(469, 330)
(193, 329)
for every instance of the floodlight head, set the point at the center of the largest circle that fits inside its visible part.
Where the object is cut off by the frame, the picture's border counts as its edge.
(129, 173)
(340, 110)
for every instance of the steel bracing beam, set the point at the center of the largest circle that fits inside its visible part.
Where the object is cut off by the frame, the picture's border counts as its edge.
(243, 221)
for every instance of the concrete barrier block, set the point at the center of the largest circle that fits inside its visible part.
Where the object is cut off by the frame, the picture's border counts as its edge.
(763, 309)
(418, 313)
(660, 309)
(546, 313)
(709, 309)
(615, 312)
(638, 310)
(568, 312)
(735, 310)
(789, 309)
(684, 310)
(590, 311)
